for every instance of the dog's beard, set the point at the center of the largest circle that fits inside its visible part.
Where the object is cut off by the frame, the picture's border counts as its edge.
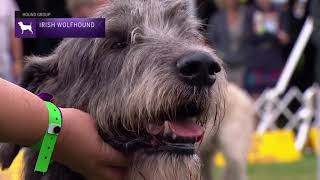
(149, 163)
(164, 166)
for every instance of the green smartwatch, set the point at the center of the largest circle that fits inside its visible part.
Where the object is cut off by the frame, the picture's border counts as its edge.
(47, 144)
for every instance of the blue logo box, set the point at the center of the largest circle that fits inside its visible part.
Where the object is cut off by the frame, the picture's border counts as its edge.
(60, 27)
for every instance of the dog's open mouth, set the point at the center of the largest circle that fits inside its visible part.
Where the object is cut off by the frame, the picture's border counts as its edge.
(177, 132)
(174, 135)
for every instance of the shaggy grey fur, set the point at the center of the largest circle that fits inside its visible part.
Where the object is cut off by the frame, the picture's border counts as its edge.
(127, 80)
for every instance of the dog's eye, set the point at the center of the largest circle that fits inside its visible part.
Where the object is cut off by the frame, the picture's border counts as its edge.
(119, 45)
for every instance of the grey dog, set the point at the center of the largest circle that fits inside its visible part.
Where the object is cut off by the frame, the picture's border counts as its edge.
(234, 136)
(151, 85)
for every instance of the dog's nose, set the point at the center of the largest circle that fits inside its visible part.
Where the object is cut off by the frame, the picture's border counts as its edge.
(198, 69)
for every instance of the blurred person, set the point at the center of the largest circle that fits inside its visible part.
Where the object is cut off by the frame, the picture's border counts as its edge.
(226, 34)
(11, 52)
(83, 8)
(303, 76)
(234, 137)
(299, 9)
(315, 13)
(268, 34)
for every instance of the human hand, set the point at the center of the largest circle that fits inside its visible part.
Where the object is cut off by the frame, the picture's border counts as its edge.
(80, 148)
(283, 37)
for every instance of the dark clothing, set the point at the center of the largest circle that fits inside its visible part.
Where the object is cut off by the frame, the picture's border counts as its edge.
(230, 43)
(230, 46)
(266, 58)
(315, 13)
(266, 49)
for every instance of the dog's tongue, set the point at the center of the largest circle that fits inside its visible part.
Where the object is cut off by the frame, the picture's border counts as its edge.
(186, 129)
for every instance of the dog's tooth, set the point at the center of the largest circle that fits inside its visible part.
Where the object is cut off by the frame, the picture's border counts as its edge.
(166, 128)
(154, 129)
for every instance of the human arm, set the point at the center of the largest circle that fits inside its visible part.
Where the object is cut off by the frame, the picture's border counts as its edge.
(283, 34)
(17, 54)
(24, 119)
(16, 47)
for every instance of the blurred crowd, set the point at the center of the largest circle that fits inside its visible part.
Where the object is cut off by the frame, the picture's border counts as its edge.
(253, 37)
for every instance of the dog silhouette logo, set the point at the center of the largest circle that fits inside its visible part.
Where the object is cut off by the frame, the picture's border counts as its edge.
(25, 27)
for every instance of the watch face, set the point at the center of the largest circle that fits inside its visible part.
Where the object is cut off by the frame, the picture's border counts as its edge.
(54, 129)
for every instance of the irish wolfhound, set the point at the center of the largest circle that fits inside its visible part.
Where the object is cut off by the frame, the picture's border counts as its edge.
(150, 85)
(234, 137)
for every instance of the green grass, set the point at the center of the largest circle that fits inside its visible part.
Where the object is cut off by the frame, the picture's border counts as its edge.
(304, 169)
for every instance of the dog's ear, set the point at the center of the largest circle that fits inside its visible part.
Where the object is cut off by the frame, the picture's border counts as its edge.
(37, 71)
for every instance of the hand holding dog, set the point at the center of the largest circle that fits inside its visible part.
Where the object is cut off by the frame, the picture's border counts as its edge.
(24, 118)
(81, 148)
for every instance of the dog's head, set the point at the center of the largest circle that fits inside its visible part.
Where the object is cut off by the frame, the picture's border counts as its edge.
(20, 23)
(151, 77)
(149, 84)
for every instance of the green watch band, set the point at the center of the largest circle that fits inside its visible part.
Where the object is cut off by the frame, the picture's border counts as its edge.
(49, 140)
